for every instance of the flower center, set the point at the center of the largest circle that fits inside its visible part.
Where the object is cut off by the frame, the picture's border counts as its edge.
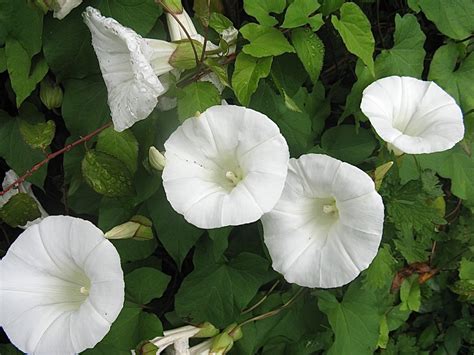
(330, 208)
(84, 291)
(233, 177)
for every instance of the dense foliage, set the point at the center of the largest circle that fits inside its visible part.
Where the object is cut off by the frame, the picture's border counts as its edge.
(304, 64)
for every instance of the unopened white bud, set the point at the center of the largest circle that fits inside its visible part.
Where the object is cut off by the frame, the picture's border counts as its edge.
(157, 160)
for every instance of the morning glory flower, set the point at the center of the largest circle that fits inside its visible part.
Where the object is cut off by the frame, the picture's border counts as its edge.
(61, 287)
(413, 116)
(62, 8)
(25, 187)
(327, 226)
(130, 67)
(226, 166)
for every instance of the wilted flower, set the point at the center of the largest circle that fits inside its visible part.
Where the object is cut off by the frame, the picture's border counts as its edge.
(130, 66)
(179, 337)
(61, 287)
(62, 8)
(413, 116)
(225, 167)
(24, 187)
(327, 226)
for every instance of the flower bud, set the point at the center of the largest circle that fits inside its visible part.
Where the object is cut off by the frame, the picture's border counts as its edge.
(146, 348)
(157, 160)
(207, 330)
(380, 173)
(138, 228)
(223, 342)
(51, 94)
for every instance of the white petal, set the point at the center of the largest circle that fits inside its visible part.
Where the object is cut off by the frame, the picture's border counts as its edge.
(125, 60)
(225, 139)
(63, 7)
(312, 246)
(412, 115)
(44, 278)
(176, 31)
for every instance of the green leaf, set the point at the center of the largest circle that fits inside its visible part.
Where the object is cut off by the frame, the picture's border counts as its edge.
(19, 155)
(345, 143)
(456, 78)
(247, 73)
(38, 135)
(310, 50)
(260, 9)
(355, 321)
(407, 208)
(67, 47)
(177, 236)
(407, 55)
(3, 60)
(22, 23)
(295, 126)
(355, 30)
(144, 284)
(19, 210)
(218, 292)
(298, 13)
(456, 165)
(466, 270)
(264, 41)
(330, 6)
(219, 22)
(453, 18)
(197, 97)
(131, 327)
(380, 273)
(85, 106)
(139, 15)
(121, 145)
(410, 294)
(107, 175)
(24, 73)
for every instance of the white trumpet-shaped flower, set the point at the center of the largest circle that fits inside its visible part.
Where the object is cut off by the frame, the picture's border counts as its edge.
(61, 287)
(25, 187)
(413, 116)
(62, 8)
(327, 226)
(130, 66)
(225, 167)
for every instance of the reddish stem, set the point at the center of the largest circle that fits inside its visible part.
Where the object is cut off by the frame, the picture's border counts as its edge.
(50, 156)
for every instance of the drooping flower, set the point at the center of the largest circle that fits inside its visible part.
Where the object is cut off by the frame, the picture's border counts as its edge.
(130, 67)
(327, 226)
(25, 187)
(61, 287)
(225, 167)
(62, 8)
(176, 341)
(413, 116)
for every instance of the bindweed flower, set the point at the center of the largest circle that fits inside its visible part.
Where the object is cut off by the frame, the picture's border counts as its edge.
(413, 116)
(130, 67)
(225, 167)
(24, 187)
(62, 8)
(61, 287)
(328, 224)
